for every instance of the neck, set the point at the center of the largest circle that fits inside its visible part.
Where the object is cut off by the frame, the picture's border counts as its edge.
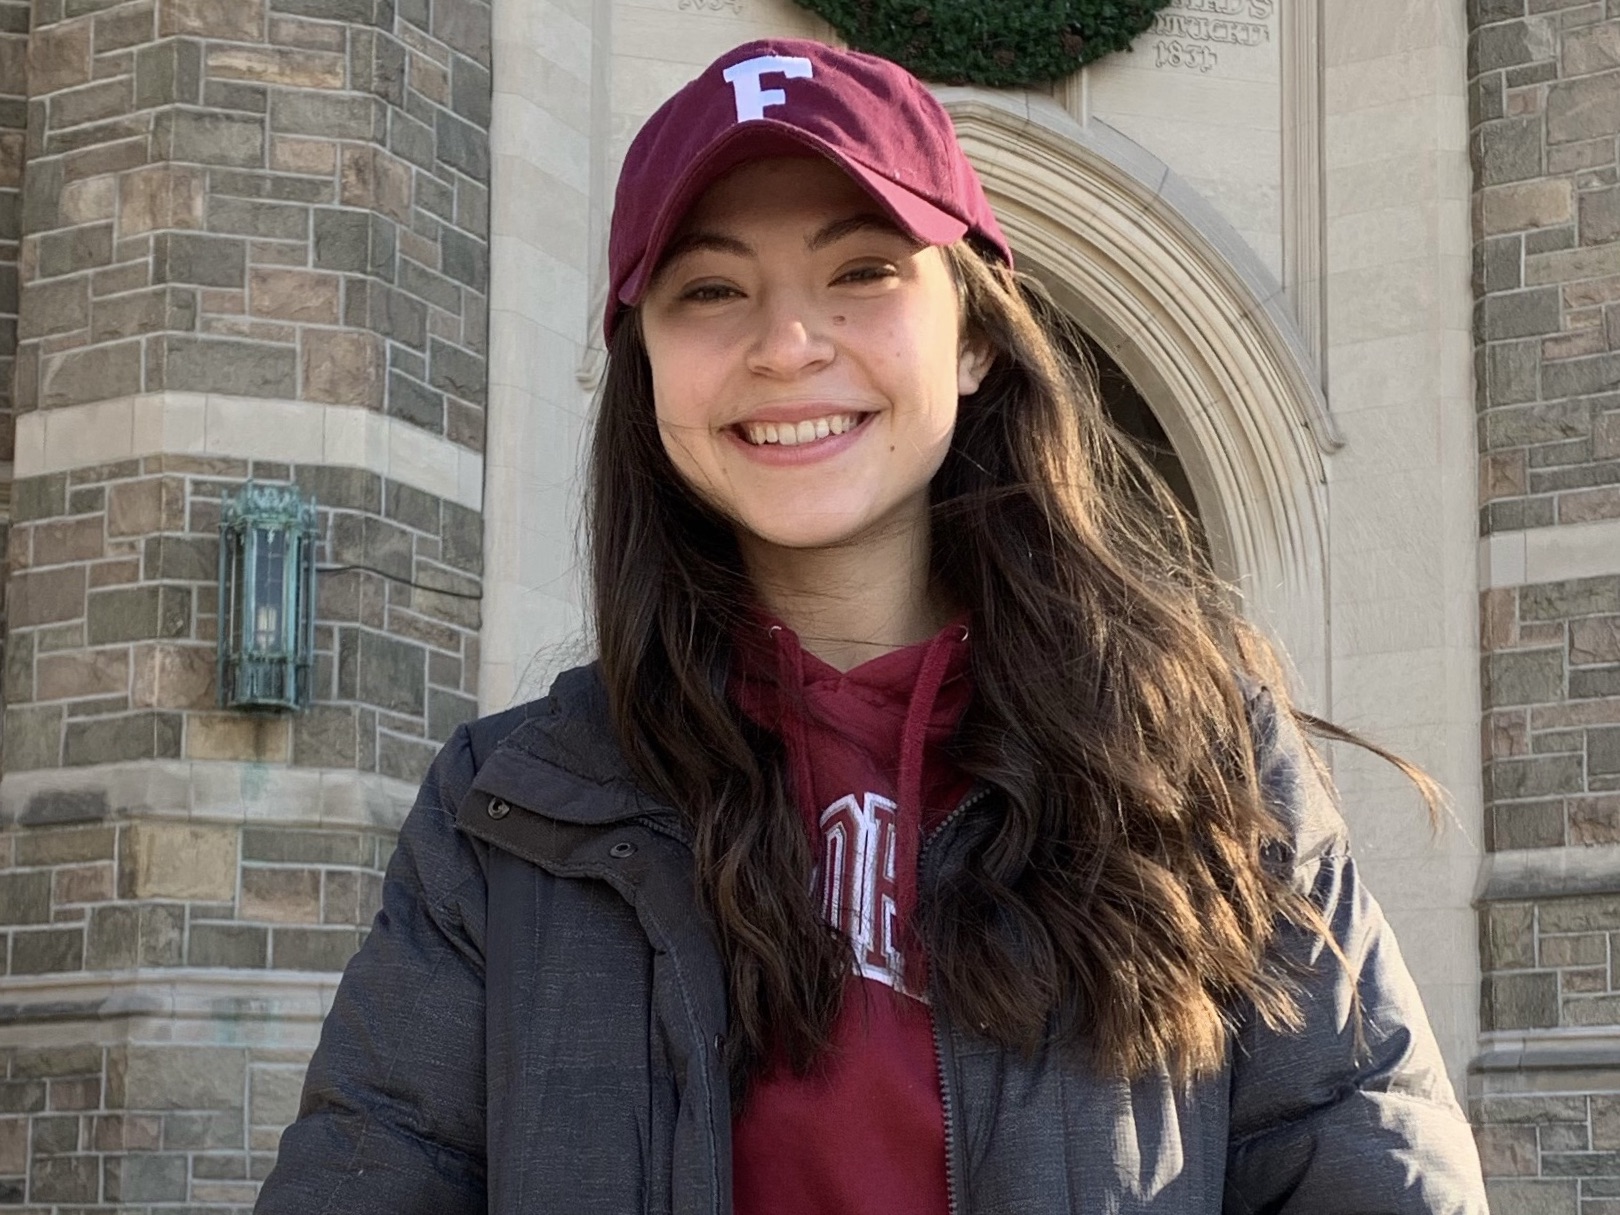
(851, 603)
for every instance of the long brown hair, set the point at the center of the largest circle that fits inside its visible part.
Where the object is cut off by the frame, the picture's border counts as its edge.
(1122, 904)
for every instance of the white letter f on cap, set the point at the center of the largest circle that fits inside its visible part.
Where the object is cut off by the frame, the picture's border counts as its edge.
(744, 81)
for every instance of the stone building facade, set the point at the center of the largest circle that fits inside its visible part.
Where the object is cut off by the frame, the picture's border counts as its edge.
(1545, 117)
(253, 244)
(1359, 258)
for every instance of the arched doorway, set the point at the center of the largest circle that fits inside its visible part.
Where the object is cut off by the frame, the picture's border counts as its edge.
(1195, 327)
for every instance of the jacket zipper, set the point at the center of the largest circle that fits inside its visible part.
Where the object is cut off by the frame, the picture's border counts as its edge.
(953, 1201)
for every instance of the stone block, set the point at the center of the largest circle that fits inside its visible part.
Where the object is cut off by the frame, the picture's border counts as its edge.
(199, 1132)
(59, 306)
(178, 861)
(462, 146)
(383, 671)
(182, 1077)
(273, 1095)
(286, 845)
(1520, 1001)
(143, 1177)
(25, 898)
(210, 137)
(1588, 913)
(446, 711)
(1586, 683)
(412, 507)
(371, 178)
(1535, 824)
(277, 65)
(247, 737)
(144, 612)
(160, 197)
(242, 20)
(1566, 600)
(326, 116)
(302, 296)
(1603, 751)
(257, 217)
(1527, 205)
(1517, 314)
(244, 368)
(1600, 1010)
(79, 673)
(463, 538)
(1594, 820)
(1584, 108)
(1507, 1151)
(65, 541)
(349, 489)
(1581, 949)
(326, 736)
(415, 402)
(404, 759)
(58, 58)
(64, 846)
(1581, 377)
(122, 935)
(342, 367)
(1593, 49)
(55, 807)
(82, 248)
(322, 949)
(1540, 776)
(280, 896)
(1523, 677)
(1511, 150)
(464, 25)
(47, 950)
(65, 1179)
(102, 740)
(314, 157)
(455, 371)
(37, 597)
(168, 73)
(144, 507)
(182, 558)
(1513, 371)
(1600, 216)
(81, 884)
(173, 676)
(235, 946)
(95, 373)
(195, 258)
(38, 497)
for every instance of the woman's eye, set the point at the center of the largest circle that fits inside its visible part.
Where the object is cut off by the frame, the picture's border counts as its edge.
(875, 272)
(705, 293)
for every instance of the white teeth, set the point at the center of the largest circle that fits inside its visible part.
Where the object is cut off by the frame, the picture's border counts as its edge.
(788, 434)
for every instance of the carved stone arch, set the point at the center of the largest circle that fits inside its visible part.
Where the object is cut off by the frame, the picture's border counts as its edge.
(1201, 327)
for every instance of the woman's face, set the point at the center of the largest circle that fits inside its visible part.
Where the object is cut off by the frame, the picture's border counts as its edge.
(806, 357)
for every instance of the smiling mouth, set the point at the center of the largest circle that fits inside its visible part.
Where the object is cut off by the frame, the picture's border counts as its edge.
(791, 434)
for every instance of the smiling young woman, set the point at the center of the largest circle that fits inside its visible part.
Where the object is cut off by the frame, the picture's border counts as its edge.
(932, 834)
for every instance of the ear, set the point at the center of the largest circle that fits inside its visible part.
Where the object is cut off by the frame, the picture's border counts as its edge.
(973, 363)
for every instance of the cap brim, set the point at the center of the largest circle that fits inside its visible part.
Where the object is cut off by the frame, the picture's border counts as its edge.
(753, 140)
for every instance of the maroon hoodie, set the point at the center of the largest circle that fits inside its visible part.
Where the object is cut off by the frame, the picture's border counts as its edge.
(864, 1133)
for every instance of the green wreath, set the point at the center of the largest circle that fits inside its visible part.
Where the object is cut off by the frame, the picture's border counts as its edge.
(1001, 43)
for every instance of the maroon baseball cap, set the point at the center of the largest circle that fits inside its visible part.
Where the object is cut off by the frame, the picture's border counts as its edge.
(786, 96)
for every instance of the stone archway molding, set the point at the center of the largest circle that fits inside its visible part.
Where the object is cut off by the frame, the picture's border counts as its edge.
(1186, 308)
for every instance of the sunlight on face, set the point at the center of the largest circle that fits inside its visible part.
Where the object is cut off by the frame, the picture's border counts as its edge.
(806, 357)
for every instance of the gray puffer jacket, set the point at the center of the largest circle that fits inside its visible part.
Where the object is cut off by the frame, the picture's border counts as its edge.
(536, 1021)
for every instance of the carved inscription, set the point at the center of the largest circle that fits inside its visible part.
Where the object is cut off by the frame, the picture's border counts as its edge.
(1189, 34)
(710, 6)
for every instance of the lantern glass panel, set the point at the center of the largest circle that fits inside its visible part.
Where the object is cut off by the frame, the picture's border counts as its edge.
(271, 583)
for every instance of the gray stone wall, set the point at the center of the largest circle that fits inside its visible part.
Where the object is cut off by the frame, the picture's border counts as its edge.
(113, 602)
(278, 199)
(1545, 112)
(270, 199)
(125, 1117)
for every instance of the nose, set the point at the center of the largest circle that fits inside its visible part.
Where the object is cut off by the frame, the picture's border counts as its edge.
(791, 339)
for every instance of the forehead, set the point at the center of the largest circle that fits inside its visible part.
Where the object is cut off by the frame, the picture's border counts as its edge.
(778, 189)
